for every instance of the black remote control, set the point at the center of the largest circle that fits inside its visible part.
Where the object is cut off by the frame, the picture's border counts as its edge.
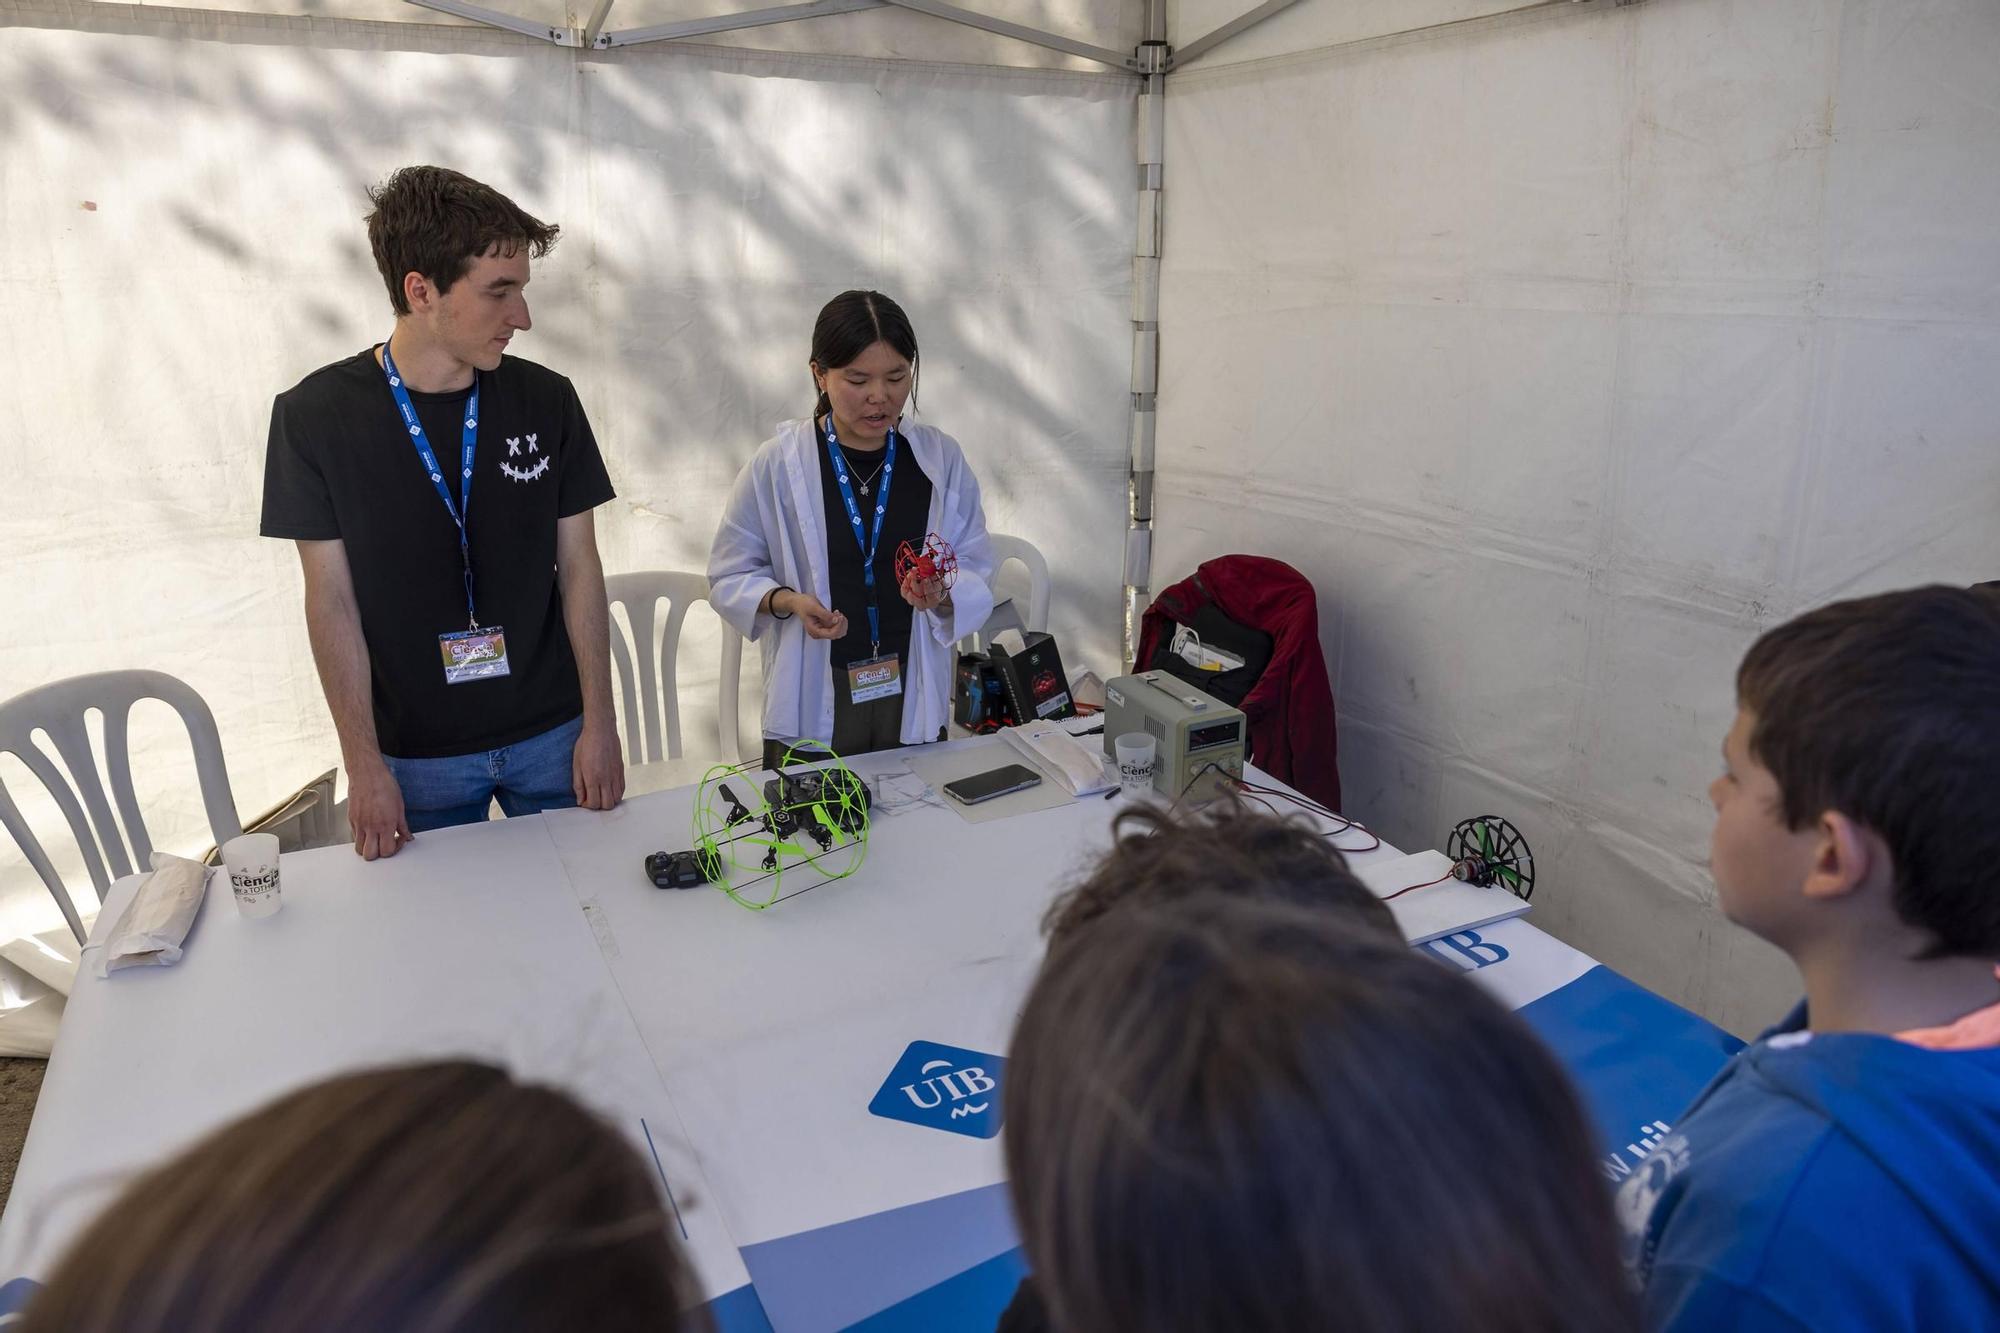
(676, 870)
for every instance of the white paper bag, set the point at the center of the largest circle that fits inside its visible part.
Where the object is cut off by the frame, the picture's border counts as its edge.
(156, 919)
(1079, 768)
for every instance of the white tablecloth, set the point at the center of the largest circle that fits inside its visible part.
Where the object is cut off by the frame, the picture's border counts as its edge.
(750, 1044)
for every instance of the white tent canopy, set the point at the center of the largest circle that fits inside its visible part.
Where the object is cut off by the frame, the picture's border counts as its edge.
(1564, 346)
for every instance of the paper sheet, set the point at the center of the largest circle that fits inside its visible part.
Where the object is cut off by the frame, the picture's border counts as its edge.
(951, 765)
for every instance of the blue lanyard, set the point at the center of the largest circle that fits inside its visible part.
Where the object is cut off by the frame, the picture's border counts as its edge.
(871, 539)
(461, 511)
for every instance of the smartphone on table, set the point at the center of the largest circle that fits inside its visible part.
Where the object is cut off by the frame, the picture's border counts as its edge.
(994, 782)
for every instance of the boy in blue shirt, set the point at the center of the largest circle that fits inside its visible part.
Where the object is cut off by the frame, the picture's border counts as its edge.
(1841, 1172)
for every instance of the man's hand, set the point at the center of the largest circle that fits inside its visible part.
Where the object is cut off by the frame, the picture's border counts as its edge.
(597, 767)
(923, 594)
(333, 623)
(375, 811)
(820, 623)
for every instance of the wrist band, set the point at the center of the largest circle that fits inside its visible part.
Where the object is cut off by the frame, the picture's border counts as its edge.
(782, 587)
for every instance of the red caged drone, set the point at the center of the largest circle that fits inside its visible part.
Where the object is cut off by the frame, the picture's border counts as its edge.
(933, 562)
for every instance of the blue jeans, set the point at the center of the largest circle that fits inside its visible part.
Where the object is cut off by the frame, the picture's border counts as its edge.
(527, 777)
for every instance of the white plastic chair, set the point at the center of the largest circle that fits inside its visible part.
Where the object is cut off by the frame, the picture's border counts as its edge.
(651, 693)
(1016, 548)
(60, 710)
(1005, 615)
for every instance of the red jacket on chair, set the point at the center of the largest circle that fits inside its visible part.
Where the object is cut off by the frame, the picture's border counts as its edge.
(1290, 709)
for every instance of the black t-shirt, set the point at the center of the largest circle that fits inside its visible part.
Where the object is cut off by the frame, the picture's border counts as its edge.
(908, 520)
(340, 464)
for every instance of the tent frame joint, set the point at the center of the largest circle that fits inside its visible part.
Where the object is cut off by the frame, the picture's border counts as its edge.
(494, 18)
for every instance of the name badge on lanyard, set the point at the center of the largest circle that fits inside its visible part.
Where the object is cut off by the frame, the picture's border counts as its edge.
(881, 674)
(877, 678)
(477, 652)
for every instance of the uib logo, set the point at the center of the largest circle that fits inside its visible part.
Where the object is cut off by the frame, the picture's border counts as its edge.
(944, 1087)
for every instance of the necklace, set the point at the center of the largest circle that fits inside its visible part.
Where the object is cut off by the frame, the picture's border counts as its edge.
(868, 484)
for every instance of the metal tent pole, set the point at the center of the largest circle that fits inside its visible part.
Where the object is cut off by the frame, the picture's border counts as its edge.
(1154, 59)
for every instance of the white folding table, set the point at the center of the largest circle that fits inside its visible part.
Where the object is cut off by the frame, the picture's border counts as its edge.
(748, 1052)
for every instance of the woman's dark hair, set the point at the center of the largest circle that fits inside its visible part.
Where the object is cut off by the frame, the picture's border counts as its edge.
(1224, 1112)
(849, 325)
(1887, 709)
(433, 1198)
(434, 221)
(1156, 857)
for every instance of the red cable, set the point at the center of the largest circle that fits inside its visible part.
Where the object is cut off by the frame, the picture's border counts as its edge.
(1425, 885)
(1252, 796)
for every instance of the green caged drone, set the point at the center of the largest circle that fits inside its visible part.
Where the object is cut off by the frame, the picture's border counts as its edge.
(811, 817)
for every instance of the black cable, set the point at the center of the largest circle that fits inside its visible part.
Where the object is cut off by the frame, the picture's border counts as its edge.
(1314, 807)
(1200, 773)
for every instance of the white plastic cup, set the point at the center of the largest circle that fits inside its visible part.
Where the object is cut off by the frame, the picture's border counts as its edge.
(1138, 753)
(252, 862)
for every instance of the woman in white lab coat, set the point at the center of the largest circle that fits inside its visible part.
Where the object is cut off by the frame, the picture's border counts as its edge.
(862, 663)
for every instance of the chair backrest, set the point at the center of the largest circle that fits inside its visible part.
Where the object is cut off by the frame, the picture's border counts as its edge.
(60, 709)
(727, 736)
(1015, 548)
(651, 693)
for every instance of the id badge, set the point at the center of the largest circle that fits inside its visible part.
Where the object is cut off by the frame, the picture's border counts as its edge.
(474, 654)
(876, 678)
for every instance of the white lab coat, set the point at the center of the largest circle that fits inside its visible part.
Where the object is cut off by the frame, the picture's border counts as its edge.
(774, 532)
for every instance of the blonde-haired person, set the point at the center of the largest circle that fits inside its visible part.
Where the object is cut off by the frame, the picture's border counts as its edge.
(428, 1198)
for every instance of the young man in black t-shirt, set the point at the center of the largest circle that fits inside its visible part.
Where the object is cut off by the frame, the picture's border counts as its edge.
(440, 495)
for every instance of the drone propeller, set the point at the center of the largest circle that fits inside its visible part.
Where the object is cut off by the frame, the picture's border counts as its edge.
(737, 814)
(1488, 851)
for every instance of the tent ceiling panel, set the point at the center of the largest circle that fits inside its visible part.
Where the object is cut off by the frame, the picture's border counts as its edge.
(903, 34)
(1312, 24)
(888, 30)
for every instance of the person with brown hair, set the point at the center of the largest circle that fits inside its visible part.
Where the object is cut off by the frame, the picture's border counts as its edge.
(427, 1198)
(464, 658)
(1226, 1111)
(1838, 1173)
(1160, 857)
